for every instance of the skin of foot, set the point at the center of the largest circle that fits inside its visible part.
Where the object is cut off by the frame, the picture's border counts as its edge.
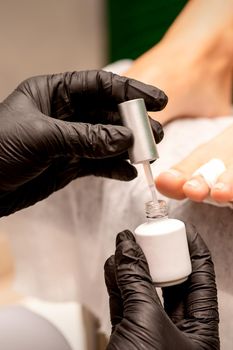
(179, 183)
(193, 64)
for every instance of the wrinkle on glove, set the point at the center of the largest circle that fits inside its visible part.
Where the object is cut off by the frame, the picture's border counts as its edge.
(56, 128)
(189, 319)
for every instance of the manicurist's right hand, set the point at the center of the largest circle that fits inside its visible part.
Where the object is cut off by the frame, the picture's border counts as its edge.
(56, 128)
(189, 318)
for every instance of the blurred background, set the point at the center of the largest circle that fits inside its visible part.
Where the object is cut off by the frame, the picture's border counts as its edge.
(49, 36)
(52, 36)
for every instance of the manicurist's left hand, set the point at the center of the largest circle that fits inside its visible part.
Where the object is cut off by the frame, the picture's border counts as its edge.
(189, 319)
(56, 128)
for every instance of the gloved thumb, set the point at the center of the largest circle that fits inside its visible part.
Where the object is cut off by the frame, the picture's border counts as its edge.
(132, 274)
(87, 140)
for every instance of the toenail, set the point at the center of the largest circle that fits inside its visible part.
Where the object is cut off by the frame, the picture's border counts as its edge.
(193, 183)
(174, 172)
(219, 186)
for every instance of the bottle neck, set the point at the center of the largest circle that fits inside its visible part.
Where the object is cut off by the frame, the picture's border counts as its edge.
(156, 210)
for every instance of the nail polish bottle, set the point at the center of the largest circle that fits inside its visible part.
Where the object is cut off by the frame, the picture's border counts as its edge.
(164, 243)
(162, 239)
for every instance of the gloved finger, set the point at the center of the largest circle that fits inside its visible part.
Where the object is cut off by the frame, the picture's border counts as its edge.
(174, 302)
(113, 168)
(57, 175)
(133, 276)
(112, 89)
(115, 118)
(202, 293)
(60, 172)
(157, 130)
(98, 141)
(115, 300)
(197, 297)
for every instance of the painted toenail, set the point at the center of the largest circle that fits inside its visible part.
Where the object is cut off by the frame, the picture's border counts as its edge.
(219, 186)
(173, 172)
(193, 183)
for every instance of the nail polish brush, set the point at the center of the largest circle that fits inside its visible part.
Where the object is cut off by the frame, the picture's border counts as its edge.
(163, 240)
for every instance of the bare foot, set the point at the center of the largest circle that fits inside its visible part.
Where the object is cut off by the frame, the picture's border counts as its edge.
(189, 95)
(179, 183)
(193, 65)
(193, 62)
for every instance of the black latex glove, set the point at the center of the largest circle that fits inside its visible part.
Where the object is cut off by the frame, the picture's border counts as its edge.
(189, 319)
(55, 128)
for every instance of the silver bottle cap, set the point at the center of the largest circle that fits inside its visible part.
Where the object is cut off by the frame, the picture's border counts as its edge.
(134, 116)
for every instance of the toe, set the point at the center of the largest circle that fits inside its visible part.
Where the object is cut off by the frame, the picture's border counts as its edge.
(223, 189)
(196, 189)
(170, 183)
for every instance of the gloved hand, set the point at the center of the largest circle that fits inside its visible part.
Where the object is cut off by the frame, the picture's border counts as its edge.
(55, 128)
(189, 319)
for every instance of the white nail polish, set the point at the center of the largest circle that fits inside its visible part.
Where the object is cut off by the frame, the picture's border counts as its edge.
(193, 183)
(164, 242)
(173, 172)
(219, 186)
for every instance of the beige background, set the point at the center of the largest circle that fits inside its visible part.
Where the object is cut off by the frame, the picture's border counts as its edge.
(48, 36)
